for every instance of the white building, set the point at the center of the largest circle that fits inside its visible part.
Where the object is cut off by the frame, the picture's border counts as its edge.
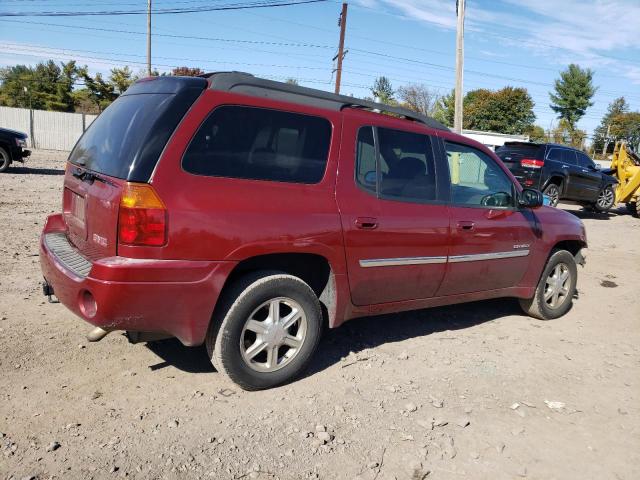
(492, 139)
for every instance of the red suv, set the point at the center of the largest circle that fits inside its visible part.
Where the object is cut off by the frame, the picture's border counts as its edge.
(245, 213)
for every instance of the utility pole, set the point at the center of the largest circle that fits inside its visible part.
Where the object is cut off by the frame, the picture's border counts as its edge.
(343, 26)
(606, 141)
(149, 37)
(457, 118)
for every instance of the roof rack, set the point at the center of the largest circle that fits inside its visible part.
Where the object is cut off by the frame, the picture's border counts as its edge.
(245, 83)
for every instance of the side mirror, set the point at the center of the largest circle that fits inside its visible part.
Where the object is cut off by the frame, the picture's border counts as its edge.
(530, 198)
(370, 178)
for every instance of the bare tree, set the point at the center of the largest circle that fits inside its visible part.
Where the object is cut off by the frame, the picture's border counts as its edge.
(419, 98)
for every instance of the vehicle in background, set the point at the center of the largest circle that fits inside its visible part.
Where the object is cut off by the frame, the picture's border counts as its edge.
(560, 172)
(13, 148)
(625, 167)
(248, 214)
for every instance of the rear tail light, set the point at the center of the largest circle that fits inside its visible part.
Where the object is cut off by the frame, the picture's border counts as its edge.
(531, 163)
(143, 217)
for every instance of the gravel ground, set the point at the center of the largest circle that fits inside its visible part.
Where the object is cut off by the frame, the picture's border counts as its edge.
(477, 390)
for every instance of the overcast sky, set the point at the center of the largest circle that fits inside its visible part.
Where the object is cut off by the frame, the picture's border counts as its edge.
(508, 42)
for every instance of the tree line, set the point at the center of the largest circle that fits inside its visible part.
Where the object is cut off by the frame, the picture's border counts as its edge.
(68, 87)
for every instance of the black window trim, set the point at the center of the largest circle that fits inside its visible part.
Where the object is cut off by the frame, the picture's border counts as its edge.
(433, 139)
(279, 182)
(514, 190)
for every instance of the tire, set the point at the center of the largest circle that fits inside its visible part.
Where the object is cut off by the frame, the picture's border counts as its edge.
(553, 192)
(631, 208)
(606, 199)
(244, 344)
(5, 160)
(540, 307)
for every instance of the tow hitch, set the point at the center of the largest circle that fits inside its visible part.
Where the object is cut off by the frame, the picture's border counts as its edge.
(47, 291)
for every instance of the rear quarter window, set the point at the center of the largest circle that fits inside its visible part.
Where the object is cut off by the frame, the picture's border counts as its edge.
(260, 144)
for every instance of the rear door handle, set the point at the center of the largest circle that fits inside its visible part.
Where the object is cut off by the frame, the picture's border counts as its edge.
(465, 225)
(366, 223)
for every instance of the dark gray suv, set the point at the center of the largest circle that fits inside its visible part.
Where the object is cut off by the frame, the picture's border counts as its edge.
(561, 172)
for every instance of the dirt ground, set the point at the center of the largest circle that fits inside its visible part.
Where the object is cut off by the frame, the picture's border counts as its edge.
(469, 391)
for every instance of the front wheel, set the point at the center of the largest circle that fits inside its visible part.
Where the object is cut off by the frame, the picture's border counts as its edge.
(5, 161)
(553, 192)
(557, 286)
(606, 199)
(265, 330)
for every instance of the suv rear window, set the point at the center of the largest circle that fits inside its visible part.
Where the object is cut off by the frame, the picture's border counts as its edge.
(126, 140)
(515, 153)
(260, 144)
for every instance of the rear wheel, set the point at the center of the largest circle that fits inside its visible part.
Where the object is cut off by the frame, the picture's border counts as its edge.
(265, 330)
(5, 160)
(557, 286)
(553, 192)
(633, 208)
(606, 199)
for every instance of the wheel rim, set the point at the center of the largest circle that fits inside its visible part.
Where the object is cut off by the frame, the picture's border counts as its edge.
(557, 285)
(554, 194)
(273, 334)
(605, 199)
(4, 160)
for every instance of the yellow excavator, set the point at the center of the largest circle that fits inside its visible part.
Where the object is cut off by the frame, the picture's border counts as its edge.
(625, 166)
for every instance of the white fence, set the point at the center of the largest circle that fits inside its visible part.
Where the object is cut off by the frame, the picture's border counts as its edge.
(46, 130)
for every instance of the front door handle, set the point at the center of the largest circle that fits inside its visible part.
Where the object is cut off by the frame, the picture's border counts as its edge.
(565, 166)
(366, 223)
(465, 225)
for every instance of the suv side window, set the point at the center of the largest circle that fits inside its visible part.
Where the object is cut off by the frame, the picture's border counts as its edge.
(405, 166)
(476, 179)
(366, 175)
(555, 154)
(260, 144)
(569, 156)
(585, 161)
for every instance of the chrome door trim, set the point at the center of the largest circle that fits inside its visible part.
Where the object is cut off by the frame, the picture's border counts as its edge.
(392, 262)
(488, 256)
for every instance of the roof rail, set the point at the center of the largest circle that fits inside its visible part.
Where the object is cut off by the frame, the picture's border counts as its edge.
(245, 83)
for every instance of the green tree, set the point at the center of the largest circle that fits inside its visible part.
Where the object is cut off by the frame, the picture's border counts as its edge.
(99, 91)
(508, 110)
(444, 110)
(566, 134)
(626, 126)
(47, 86)
(617, 107)
(187, 71)
(536, 133)
(573, 92)
(383, 91)
(121, 79)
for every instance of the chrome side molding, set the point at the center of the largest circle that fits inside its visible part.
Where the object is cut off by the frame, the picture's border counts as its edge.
(394, 262)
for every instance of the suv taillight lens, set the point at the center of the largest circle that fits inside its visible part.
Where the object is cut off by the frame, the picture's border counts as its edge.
(143, 217)
(531, 163)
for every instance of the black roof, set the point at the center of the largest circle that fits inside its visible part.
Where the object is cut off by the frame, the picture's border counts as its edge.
(542, 144)
(247, 84)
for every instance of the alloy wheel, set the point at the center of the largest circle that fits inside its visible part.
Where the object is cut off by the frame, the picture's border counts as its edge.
(554, 194)
(273, 334)
(605, 198)
(556, 290)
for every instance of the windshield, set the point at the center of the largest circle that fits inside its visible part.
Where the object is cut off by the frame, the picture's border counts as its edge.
(126, 140)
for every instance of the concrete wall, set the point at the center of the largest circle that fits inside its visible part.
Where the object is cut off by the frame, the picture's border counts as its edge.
(46, 130)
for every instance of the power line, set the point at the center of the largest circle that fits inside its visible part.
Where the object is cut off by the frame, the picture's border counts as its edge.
(164, 11)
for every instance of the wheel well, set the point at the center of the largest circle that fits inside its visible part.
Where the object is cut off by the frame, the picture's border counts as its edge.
(6, 148)
(313, 269)
(571, 246)
(556, 181)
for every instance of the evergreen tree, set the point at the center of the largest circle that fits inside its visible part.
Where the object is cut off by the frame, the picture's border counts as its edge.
(573, 92)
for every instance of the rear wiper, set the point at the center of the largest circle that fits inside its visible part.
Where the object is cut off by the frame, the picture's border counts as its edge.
(89, 177)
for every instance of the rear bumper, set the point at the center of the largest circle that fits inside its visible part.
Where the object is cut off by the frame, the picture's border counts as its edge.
(173, 297)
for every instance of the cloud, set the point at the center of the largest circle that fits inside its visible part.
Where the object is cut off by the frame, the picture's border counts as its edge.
(589, 32)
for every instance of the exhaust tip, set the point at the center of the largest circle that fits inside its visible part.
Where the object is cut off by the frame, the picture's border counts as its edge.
(97, 334)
